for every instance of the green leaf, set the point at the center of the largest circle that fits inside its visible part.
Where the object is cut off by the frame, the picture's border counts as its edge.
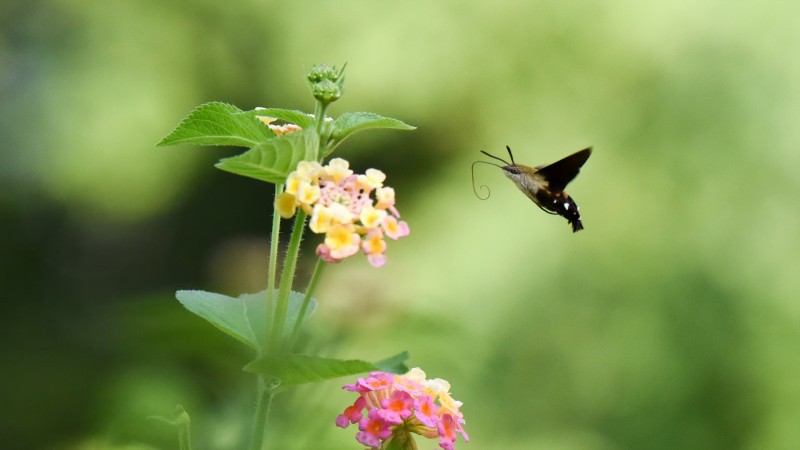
(226, 313)
(244, 318)
(272, 161)
(256, 311)
(394, 364)
(298, 369)
(294, 116)
(218, 123)
(349, 123)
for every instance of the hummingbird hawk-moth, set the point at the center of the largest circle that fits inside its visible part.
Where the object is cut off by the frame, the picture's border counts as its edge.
(544, 184)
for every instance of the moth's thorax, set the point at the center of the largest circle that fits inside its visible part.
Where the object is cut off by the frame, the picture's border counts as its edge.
(525, 178)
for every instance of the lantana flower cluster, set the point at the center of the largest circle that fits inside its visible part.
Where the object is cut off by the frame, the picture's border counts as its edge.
(354, 211)
(390, 407)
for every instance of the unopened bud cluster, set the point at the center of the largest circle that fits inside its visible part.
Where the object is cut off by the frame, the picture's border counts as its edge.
(327, 84)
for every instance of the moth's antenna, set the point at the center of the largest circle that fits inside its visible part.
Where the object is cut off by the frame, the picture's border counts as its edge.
(495, 157)
(483, 186)
(512, 156)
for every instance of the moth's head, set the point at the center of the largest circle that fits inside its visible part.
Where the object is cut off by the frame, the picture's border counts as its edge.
(516, 172)
(512, 170)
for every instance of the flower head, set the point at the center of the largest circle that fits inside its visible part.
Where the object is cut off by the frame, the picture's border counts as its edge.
(393, 406)
(353, 211)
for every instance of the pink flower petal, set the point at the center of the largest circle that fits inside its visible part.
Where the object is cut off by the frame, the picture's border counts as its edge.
(377, 260)
(425, 411)
(397, 407)
(325, 253)
(351, 414)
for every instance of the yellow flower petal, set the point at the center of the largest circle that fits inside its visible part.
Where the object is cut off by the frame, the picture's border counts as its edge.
(371, 217)
(341, 241)
(309, 169)
(293, 182)
(321, 219)
(340, 213)
(374, 244)
(338, 169)
(266, 119)
(308, 193)
(286, 204)
(373, 179)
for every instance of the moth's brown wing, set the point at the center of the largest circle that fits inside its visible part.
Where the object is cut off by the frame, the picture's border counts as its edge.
(561, 172)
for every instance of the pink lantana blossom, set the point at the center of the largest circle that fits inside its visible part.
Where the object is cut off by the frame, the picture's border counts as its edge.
(354, 212)
(447, 431)
(374, 429)
(398, 405)
(351, 414)
(375, 248)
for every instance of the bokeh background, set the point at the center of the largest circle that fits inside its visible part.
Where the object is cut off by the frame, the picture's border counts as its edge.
(673, 321)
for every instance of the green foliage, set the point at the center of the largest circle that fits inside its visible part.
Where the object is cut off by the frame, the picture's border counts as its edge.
(218, 123)
(349, 123)
(244, 318)
(298, 369)
(272, 161)
(394, 364)
(270, 158)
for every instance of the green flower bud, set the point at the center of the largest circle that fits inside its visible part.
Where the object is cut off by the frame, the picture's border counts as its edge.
(326, 91)
(326, 83)
(322, 72)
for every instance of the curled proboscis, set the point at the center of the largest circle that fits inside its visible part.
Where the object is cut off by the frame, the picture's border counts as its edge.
(483, 186)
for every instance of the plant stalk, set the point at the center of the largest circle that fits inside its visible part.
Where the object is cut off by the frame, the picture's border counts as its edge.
(312, 286)
(263, 403)
(287, 276)
(273, 261)
(319, 117)
(184, 439)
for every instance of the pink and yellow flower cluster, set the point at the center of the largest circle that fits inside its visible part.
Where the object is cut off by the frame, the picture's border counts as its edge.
(389, 407)
(355, 212)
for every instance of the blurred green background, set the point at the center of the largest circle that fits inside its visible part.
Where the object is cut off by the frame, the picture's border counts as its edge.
(673, 321)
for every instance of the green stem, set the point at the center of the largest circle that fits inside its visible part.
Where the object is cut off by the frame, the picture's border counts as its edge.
(273, 259)
(182, 422)
(319, 117)
(263, 403)
(312, 286)
(184, 439)
(287, 276)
